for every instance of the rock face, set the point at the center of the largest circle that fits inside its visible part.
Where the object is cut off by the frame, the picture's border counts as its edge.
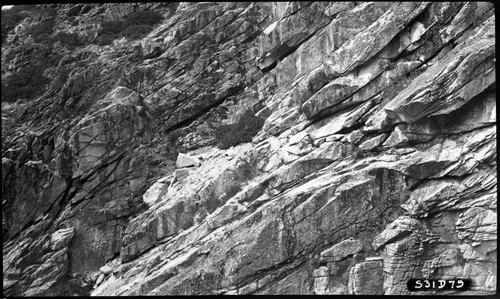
(376, 162)
(184, 160)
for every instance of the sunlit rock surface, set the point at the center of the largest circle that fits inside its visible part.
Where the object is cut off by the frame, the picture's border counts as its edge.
(376, 162)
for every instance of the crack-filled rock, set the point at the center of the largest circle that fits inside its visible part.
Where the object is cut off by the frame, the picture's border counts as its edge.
(374, 161)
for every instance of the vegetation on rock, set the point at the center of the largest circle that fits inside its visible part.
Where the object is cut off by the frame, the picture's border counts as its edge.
(24, 85)
(12, 17)
(133, 26)
(377, 157)
(41, 32)
(242, 131)
(70, 40)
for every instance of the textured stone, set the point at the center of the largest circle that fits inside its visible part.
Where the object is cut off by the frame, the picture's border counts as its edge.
(364, 279)
(477, 224)
(61, 238)
(106, 269)
(376, 162)
(180, 174)
(341, 250)
(400, 228)
(373, 142)
(320, 285)
(439, 81)
(338, 122)
(184, 160)
(357, 50)
(156, 191)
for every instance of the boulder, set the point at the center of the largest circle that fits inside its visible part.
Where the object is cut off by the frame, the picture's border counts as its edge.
(184, 160)
(156, 191)
(106, 269)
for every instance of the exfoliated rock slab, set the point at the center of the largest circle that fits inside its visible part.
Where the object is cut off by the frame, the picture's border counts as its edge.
(106, 269)
(181, 173)
(462, 74)
(61, 238)
(401, 227)
(184, 160)
(401, 260)
(434, 196)
(290, 31)
(32, 192)
(341, 250)
(102, 135)
(373, 142)
(244, 231)
(366, 44)
(321, 280)
(477, 224)
(341, 88)
(339, 121)
(157, 190)
(366, 279)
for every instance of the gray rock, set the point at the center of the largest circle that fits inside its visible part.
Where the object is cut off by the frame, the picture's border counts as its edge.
(106, 269)
(156, 191)
(61, 238)
(341, 250)
(184, 160)
(364, 279)
(376, 161)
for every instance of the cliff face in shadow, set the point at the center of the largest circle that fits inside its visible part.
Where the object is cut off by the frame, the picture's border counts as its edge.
(374, 160)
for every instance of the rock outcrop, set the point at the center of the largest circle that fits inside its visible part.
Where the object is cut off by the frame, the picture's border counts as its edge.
(376, 162)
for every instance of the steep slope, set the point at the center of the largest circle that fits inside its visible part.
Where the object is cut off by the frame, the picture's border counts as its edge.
(376, 162)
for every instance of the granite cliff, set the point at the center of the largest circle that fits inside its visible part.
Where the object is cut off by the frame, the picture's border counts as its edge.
(374, 161)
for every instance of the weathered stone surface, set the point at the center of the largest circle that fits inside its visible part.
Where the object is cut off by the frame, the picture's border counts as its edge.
(376, 162)
(341, 250)
(184, 160)
(180, 174)
(364, 279)
(61, 238)
(474, 58)
(360, 48)
(338, 122)
(435, 196)
(106, 269)
(477, 224)
(320, 281)
(373, 142)
(156, 191)
(400, 228)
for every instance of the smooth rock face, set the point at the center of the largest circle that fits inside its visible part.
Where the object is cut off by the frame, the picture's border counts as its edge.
(156, 191)
(184, 160)
(376, 162)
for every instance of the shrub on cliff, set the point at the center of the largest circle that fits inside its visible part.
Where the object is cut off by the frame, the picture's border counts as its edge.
(12, 17)
(144, 17)
(105, 39)
(26, 84)
(137, 31)
(41, 31)
(242, 131)
(111, 28)
(69, 40)
(133, 26)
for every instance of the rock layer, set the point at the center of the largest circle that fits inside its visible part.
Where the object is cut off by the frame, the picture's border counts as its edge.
(376, 162)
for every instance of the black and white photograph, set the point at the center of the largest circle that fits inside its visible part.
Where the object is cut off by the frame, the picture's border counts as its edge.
(158, 149)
